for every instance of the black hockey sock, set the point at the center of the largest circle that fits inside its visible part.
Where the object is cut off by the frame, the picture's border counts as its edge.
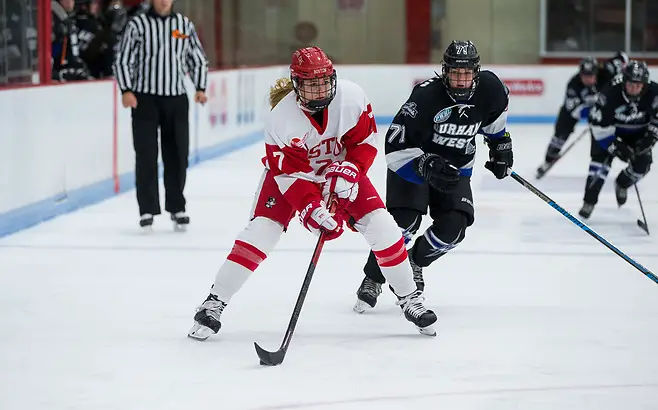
(554, 148)
(372, 269)
(627, 177)
(445, 234)
(592, 189)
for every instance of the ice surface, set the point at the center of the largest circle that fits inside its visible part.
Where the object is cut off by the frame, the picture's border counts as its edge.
(533, 312)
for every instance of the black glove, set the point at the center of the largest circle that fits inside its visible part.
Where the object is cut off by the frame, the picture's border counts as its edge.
(501, 157)
(645, 144)
(440, 174)
(621, 150)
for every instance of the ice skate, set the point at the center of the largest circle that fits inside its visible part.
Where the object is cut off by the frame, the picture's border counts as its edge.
(417, 313)
(146, 223)
(180, 220)
(542, 169)
(586, 210)
(367, 295)
(621, 194)
(207, 318)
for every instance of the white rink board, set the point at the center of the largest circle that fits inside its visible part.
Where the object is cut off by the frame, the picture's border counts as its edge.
(68, 146)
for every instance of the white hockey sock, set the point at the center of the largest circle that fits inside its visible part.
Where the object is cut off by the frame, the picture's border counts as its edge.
(249, 251)
(243, 259)
(394, 263)
(386, 241)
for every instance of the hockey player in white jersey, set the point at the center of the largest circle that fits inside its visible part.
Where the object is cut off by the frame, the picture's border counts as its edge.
(319, 143)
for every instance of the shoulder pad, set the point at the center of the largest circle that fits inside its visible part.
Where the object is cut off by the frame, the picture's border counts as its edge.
(491, 82)
(429, 83)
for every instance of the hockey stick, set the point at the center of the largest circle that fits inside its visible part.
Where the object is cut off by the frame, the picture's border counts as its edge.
(641, 223)
(563, 152)
(582, 226)
(276, 358)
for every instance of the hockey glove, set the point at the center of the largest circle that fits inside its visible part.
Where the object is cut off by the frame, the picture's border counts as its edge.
(621, 150)
(316, 218)
(645, 145)
(439, 173)
(342, 179)
(501, 157)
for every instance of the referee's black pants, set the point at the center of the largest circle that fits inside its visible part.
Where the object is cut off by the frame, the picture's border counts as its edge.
(170, 114)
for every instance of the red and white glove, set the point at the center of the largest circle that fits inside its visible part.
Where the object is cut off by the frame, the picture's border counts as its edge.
(342, 180)
(316, 218)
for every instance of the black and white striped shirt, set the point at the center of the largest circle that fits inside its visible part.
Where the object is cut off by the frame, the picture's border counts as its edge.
(155, 54)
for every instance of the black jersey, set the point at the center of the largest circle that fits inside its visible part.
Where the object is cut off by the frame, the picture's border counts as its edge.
(88, 28)
(432, 122)
(614, 115)
(579, 97)
(609, 70)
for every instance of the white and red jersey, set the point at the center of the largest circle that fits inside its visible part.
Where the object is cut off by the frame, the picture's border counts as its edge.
(298, 149)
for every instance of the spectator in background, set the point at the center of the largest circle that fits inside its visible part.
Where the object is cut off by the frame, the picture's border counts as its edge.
(114, 18)
(100, 27)
(67, 64)
(90, 35)
(140, 8)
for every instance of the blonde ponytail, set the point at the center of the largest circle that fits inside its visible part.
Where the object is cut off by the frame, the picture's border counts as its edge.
(280, 89)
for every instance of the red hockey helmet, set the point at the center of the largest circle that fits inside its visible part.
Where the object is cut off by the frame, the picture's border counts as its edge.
(313, 78)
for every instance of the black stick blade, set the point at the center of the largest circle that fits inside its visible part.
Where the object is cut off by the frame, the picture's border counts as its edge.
(269, 358)
(643, 226)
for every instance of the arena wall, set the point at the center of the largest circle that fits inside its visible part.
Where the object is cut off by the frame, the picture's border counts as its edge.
(63, 147)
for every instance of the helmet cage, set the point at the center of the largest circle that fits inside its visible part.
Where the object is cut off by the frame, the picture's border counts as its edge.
(460, 93)
(313, 78)
(315, 93)
(460, 54)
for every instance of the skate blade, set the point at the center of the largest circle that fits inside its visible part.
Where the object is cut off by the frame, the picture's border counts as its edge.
(180, 228)
(361, 306)
(200, 332)
(146, 230)
(427, 331)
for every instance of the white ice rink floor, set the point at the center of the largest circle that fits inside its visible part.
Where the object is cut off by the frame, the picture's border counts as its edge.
(533, 312)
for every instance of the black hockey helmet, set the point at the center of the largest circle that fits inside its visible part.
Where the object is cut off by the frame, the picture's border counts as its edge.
(588, 66)
(636, 72)
(461, 54)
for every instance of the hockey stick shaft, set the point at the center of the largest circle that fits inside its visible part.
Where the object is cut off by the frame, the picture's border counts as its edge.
(303, 292)
(582, 226)
(643, 224)
(574, 142)
(276, 358)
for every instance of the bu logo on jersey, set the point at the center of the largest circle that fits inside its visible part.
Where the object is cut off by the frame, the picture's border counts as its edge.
(326, 147)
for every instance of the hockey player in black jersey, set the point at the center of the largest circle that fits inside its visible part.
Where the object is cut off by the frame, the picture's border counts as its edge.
(582, 92)
(430, 150)
(67, 64)
(624, 124)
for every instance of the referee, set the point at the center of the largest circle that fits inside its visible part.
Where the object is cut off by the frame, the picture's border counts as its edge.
(157, 49)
